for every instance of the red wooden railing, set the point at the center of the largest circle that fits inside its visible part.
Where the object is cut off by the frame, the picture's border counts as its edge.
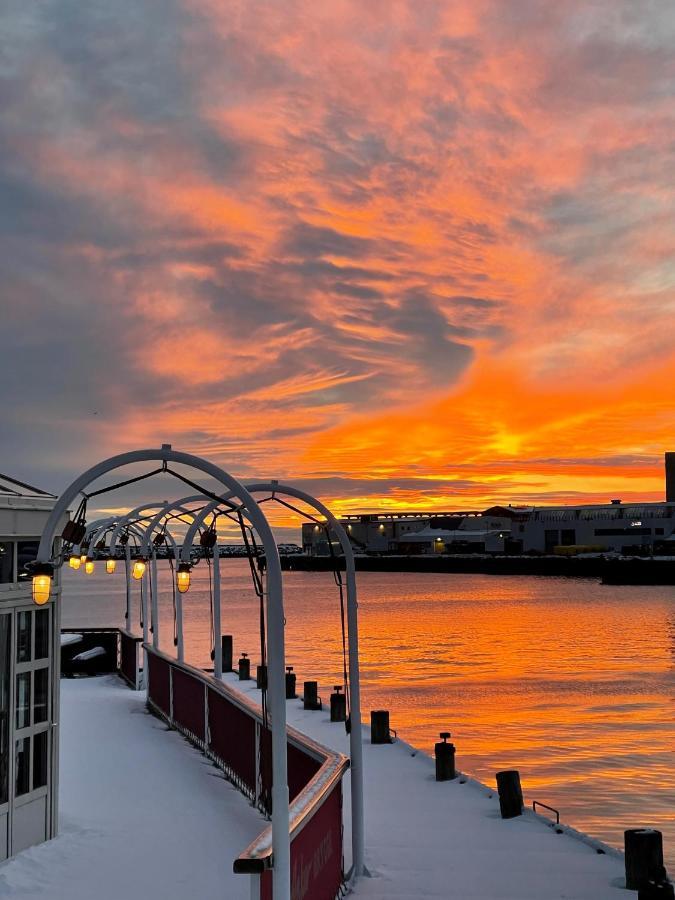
(229, 729)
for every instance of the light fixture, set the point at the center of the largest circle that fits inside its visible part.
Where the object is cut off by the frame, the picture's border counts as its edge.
(74, 562)
(110, 566)
(183, 578)
(138, 570)
(89, 567)
(83, 558)
(42, 582)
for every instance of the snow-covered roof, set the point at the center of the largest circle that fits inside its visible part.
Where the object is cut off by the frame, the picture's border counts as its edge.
(434, 534)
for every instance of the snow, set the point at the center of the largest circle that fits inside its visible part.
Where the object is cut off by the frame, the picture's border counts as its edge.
(448, 840)
(69, 638)
(143, 814)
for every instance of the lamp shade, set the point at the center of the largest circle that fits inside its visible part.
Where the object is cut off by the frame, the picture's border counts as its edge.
(183, 578)
(138, 570)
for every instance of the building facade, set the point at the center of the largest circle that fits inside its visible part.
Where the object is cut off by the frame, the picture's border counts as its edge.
(29, 646)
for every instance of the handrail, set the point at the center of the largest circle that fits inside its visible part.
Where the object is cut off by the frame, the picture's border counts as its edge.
(536, 803)
(258, 856)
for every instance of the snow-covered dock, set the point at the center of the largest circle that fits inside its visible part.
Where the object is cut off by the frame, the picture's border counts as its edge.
(144, 814)
(431, 840)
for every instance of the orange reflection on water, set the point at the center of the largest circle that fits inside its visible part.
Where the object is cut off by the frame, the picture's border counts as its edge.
(568, 681)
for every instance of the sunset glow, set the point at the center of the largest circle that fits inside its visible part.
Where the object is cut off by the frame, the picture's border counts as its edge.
(406, 255)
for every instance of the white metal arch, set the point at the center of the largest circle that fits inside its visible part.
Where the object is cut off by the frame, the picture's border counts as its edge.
(355, 736)
(281, 872)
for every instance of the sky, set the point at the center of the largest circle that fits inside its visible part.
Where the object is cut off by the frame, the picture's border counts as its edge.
(403, 254)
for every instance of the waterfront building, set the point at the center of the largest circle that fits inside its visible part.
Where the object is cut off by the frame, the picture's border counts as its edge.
(28, 688)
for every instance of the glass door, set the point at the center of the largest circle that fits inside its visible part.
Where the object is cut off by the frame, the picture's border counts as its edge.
(31, 739)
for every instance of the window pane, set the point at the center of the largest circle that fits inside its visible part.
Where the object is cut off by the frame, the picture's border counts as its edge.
(5, 632)
(26, 551)
(41, 633)
(6, 562)
(40, 760)
(23, 636)
(40, 683)
(22, 766)
(23, 700)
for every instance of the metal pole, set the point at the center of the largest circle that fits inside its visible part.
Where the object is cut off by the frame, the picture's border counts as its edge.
(180, 645)
(356, 732)
(218, 647)
(127, 572)
(153, 599)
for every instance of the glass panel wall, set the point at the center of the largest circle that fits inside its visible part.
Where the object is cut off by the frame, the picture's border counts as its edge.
(6, 562)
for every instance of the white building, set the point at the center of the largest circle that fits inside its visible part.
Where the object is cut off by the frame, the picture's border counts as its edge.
(28, 669)
(635, 528)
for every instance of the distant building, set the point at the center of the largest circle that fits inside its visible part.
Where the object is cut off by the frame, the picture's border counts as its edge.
(639, 529)
(29, 642)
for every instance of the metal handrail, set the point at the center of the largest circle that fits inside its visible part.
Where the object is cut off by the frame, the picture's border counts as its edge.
(536, 803)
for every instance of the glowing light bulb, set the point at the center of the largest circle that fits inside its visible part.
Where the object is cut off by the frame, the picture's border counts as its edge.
(110, 566)
(74, 562)
(89, 567)
(138, 570)
(42, 583)
(183, 578)
(83, 558)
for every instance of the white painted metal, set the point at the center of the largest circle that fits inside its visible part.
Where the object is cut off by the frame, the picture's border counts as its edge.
(217, 643)
(356, 733)
(275, 627)
(154, 603)
(127, 574)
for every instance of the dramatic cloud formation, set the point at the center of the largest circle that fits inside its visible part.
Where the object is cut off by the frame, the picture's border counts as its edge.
(404, 253)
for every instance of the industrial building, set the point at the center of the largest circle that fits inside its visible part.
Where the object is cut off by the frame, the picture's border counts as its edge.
(636, 529)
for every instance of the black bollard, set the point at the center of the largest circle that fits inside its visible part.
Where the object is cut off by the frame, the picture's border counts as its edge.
(338, 705)
(380, 732)
(510, 794)
(290, 683)
(656, 890)
(226, 649)
(644, 857)
(445, 758)
(244, 667)
(261, 678)
(310, 696)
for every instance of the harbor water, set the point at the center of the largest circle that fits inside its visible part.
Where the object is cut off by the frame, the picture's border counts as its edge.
(567, 680)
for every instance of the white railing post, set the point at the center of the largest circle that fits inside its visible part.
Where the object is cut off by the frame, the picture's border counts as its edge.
(154, 605)
(218, 647)
(127, 573)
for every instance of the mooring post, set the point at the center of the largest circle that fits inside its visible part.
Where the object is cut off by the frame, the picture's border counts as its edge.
(244, 667)
(226, 650)
(510, 794)
(380, 732)
(338, 705)
(644, 857)
(445, 758)
(310, 695)
(290, 683)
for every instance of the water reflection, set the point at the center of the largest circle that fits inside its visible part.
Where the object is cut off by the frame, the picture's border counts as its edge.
(569, 681)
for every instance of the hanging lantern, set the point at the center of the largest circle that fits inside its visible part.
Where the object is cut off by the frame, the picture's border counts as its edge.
(74, 562)
(83, 558)
(110, 566)
(183, 578)
(138, 570)
(42, 583)
(89, 567)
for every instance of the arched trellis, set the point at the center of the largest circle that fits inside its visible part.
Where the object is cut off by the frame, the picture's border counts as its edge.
(355, 736)
(281, 872)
